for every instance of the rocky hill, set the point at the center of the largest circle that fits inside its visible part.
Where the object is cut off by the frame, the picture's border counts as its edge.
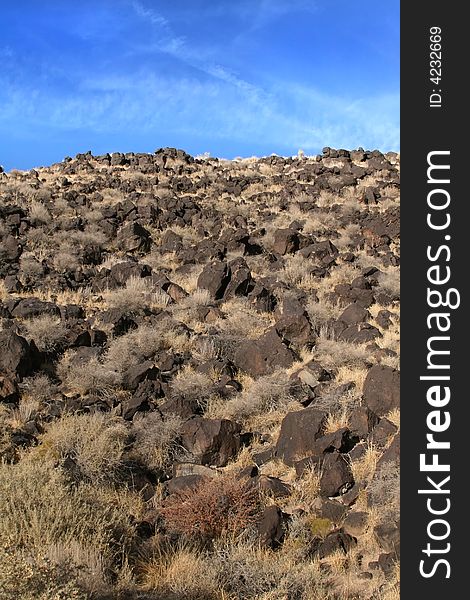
(199, 384)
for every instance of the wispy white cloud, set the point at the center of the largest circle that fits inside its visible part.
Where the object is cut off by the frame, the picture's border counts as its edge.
(150, 14)
(209, 100)
(284, 120)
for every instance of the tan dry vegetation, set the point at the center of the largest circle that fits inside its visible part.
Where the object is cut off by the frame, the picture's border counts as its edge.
(69, 501)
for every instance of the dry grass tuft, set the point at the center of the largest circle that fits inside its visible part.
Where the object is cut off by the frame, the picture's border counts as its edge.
(49, 333)
(95, 443)
(156, 440)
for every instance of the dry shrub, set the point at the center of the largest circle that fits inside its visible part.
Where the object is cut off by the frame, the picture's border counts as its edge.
(38, 387)
(334, 353)
(49, 333)
(142, 344)
(38, 213)
(220, 506)
(28, 410)
(65, 259)
(30, 576)
(30, 266)
(391, 337)
(136, 294)
(188, 279)
(253, 573)
(103, 375)
(205, 349)
(156, 440)
(384, 490)
(319, 312)
(348, 236)
(355, 374)
(242, 320)
(39, 509)
(267, 394)
(296, 268)
(199, 297)
(394, 417)
(181, 571)
(364, 468)
(336, 420)
(93, 377)
(389, 281)
(95, 442)
(192, 385)
(306, 489)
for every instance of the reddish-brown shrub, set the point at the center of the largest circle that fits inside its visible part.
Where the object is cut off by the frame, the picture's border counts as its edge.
(222, 505)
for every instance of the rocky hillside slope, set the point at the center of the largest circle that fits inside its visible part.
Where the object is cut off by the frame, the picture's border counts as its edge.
(199, 384)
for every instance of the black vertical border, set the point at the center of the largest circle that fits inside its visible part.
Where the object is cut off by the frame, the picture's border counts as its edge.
(425, 129)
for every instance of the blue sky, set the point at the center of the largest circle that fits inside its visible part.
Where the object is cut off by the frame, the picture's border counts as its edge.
(229, 77)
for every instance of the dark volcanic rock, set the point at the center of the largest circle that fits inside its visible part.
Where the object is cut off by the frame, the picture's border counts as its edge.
(391, 454)
(272, 527)
(28, 308)
(354, 313)
(362, 420)
(273, 486)
(382, 432)
(211, 441)
(264, 355)
(133, 237)
(241, 282)
(136, 374)
(334, 542)
(215, 277)
(9, 392)
(18, 357)
(360, 333)
(382, 389)
(336, 477)
(286, 241)
(355, 523)
(299, 432)
(388, 536)
(293, 323)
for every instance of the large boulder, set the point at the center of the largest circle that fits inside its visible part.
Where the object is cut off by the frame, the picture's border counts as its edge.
(336, 477)
(336, 542)
(133, 237)
(241, 282)
(272, 527)
(286, 241)
(354, 313)
(18, 357)
(293, 322)
(211, 441)
(299, 432)
(264, 355)
(28, 308)
(382, 389)
(9, 392)
(362, 421)
(215, 277)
